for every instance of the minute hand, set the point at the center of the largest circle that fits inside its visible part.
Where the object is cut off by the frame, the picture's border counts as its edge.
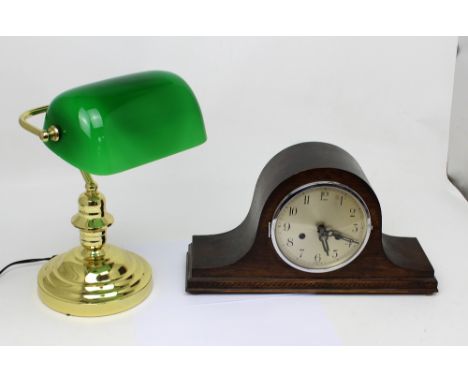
(339, 236)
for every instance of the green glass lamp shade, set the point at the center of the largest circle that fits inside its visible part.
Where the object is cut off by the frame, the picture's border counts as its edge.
(117, 124)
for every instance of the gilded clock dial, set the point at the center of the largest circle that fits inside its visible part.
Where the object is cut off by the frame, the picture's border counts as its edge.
(321, 227)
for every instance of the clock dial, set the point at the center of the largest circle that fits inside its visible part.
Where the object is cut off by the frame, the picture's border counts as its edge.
(321, 227)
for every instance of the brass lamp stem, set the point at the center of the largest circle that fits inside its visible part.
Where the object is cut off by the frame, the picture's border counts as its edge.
(91, 184)
(92, 219)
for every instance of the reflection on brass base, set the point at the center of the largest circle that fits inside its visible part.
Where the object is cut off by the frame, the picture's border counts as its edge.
(76, 284)
(95, 279)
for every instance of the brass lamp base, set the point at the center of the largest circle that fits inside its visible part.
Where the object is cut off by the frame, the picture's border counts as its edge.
(74, 284)
(96, 279)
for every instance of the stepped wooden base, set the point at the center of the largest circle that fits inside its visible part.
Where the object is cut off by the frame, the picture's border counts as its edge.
(413, 274)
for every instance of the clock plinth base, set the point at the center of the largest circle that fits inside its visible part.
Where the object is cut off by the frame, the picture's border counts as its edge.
(400, 267)
(76, 285)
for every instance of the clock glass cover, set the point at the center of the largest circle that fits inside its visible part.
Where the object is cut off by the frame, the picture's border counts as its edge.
(320, 227)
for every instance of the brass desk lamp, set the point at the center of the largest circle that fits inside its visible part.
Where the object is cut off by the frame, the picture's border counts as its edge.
(105, 128)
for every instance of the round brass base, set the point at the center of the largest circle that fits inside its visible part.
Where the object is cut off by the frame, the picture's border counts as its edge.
(79, 285)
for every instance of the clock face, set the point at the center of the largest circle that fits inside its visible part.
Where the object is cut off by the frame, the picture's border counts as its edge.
(321, 227)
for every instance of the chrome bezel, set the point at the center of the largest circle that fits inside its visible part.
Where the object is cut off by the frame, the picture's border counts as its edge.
(317, 184)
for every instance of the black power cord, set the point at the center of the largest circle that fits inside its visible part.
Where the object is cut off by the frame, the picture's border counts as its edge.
(27, 261)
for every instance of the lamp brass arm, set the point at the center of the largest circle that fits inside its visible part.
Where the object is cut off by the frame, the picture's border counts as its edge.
(53, 134)
(91, 185)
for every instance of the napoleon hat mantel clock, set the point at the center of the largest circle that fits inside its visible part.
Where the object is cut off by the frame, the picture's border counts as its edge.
(104, 128)
(314, 226)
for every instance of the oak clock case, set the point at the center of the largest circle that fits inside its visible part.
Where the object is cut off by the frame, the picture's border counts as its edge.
(314, 226)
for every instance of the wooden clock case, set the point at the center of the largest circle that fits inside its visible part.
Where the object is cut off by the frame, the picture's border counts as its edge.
(244, 260)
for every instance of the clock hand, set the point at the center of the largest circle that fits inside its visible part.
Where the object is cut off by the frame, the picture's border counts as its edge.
(323, 237)
(339, 236)
(324, 240)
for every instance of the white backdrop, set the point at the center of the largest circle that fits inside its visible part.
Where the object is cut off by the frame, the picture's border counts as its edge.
(385, 100)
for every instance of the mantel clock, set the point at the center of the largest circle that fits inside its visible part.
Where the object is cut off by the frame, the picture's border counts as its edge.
(314, 226)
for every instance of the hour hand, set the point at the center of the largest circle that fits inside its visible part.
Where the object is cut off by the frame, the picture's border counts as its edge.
(324, 240)
(323, 237)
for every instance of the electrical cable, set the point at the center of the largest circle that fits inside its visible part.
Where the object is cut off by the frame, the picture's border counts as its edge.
(27, 261)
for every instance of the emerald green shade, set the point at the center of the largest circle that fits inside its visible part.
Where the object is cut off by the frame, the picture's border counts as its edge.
(117, 124)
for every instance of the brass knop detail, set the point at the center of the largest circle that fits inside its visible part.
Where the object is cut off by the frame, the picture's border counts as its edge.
(92, 220)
